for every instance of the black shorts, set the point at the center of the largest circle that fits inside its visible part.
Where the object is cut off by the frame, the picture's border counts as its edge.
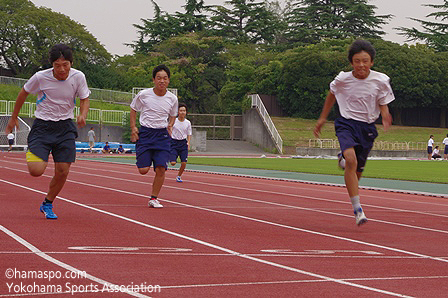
(356, 134)
(57, 137)
(11, 141)
(179, 148)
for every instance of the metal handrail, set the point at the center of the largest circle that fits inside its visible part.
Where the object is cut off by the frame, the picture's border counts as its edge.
(258, 104)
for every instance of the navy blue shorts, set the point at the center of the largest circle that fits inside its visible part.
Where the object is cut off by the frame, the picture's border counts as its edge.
(57, 137)
(429, 149)
(446, 150)
(356, 134)
(11, 141)
(153, 147)
(179, 148)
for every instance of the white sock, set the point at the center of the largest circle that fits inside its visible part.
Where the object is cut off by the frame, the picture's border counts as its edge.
(355, 203)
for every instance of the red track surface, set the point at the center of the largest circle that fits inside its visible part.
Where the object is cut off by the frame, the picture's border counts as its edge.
(217, 236)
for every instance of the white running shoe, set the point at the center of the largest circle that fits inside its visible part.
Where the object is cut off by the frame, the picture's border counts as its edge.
(178, 179)
(360, 217)
(341, 161)
(155, 204)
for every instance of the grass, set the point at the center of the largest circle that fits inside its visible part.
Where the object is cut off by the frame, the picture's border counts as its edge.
(296, 132)
(407, 170)
(410, 170)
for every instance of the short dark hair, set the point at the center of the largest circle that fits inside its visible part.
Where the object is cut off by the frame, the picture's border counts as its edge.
(181, 104)
(160, 68)
(360, 45)
(431, 136)
(60, 50)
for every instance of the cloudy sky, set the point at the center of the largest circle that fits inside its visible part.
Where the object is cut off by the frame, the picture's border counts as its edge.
(110, 21)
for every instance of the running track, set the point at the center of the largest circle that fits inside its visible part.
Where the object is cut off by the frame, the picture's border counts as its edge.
(218, 236)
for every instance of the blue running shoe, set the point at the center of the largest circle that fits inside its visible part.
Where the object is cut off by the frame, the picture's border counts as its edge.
(47, 209)
(178, 179)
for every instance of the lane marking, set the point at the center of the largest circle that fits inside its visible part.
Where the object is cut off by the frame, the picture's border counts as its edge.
(320, 251)
(347, 283)
(50, 259)
(199, 254)
(304, 281)
(258, 201)
(263, 221)
(122, 248)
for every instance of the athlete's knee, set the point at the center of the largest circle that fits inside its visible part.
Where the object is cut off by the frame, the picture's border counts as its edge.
(36, 172)
(143, 171)
(173, 163)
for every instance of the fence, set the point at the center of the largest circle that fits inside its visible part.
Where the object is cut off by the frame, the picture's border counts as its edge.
(378, 145)
(218, 126)
(258, 104)
(94, 115)
(103, 95)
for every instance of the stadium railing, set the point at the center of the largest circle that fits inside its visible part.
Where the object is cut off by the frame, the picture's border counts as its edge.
(378, 145)
(258, 104)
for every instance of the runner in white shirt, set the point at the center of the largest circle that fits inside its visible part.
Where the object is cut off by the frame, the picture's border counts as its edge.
(180, 140)
(53, 129)
(362, 95)
(430, 145)
(156, 105)
(10, 140)
(445, 151)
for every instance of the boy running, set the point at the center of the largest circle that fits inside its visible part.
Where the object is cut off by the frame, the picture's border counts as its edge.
(53, 129)
(180, 140)
(155, 105)
(362, 95)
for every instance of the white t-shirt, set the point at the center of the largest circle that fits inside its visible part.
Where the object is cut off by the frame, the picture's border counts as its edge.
(10, 136)
(56, 99)
(155, 110)
(181, 129)
(91, 135)
(445, 141)
(435, 152)
(360, 99)
(430, 142)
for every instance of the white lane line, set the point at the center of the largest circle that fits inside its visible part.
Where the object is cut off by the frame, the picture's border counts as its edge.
(266, 202)
(235, 197)
(283, 194)
(304, 281)
(413, 192)
(218, 247)
(262, 221)
(67, 267)
(302, 256)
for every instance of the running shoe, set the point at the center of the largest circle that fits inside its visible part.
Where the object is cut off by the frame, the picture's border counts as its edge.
(47, 209)
(178, 179)
(155, 204)
(360, 217)
(341, 161)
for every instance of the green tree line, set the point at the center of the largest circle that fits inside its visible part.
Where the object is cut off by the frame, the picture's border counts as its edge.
(220, 53)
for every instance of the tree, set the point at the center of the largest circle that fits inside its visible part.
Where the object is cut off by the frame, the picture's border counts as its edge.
(198, 65)
(310, 21)
(164, 25)
(245, 21)
(434, 34)
(28, 32)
